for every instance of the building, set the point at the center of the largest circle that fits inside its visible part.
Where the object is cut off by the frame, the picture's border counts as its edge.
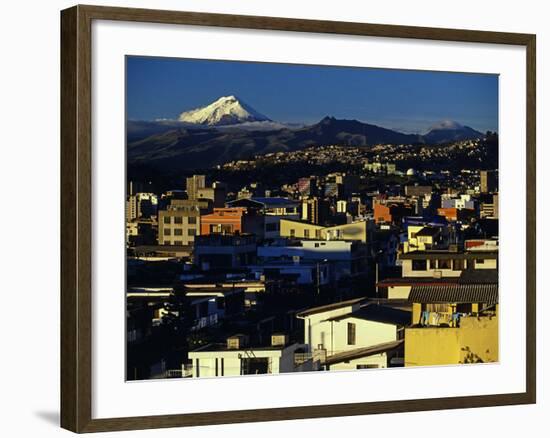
(464, 201)
(393, 210)
(142, 232)
(224, 251)
(301, 272)
(271, 210)
(315, 210)
(141, 205)
(468, 265)
(235, 220)
(307, 186)
(488, 206)
(304, 230)
(180, 222)
(354, 335)
(488, 181)
(216, 194)
(417, 190)
(193, 184)
(446, 263)
(346, 258)
(422, 238)
(238, 358)
(453, 324)
(456, 214)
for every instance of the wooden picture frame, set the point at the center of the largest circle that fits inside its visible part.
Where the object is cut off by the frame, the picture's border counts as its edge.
(76, 218)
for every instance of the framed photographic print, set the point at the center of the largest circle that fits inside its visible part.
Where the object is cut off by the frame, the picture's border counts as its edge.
(268, 219)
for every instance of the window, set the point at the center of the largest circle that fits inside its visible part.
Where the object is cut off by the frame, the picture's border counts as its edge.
(178, 220)
(191, 231)
(444, 264)
(166, 219)
(292, 232)
(192, 220)
(366, 366)
(316, 245)
(419, 265)
(351, 333)
(197, 368)
(306, 234)
(167, 232)
(178, 242)
(178, 232)
(458, 265)
(480, 261)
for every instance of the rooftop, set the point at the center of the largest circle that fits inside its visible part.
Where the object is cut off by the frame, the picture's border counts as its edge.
(328, 307)
(377, 313)
(458, 293)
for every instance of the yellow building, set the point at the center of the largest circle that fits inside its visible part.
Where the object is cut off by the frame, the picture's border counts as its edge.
(453, 324)
(306, 230)
(421, 238)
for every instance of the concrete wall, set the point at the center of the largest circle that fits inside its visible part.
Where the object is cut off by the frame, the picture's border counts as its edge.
(475, 340)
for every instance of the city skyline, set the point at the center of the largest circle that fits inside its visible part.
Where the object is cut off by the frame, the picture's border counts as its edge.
(402, 100)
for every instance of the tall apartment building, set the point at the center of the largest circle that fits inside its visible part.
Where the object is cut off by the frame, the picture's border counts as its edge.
(315, 210)
(193, 184)
(180, 222)
(141, 205)
(488, 181)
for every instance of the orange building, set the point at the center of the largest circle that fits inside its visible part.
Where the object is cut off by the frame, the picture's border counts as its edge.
(391, 213)
(455, 214)
(382, 213)
(236, 220)
(451, 214)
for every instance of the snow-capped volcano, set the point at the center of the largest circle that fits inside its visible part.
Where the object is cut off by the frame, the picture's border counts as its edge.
(449, 130)
(227, 110)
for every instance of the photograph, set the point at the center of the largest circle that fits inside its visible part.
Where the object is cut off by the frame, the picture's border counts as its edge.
(290, 218)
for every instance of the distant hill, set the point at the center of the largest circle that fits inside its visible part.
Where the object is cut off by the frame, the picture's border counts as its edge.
(190, 147)
(447, 131)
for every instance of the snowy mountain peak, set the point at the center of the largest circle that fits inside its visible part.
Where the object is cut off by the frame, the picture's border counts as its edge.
(227, 110)
(446, 124)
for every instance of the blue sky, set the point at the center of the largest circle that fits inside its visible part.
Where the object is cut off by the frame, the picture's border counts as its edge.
(408, 101)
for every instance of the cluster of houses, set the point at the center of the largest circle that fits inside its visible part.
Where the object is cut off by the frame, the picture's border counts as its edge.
(273, 284)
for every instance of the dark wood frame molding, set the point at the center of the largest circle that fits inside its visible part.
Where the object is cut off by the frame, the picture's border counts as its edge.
(76, 177)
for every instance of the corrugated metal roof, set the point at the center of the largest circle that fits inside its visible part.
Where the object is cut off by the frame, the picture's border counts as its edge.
(459, 293)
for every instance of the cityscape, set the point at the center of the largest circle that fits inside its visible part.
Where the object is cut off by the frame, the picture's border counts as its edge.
(284, 218)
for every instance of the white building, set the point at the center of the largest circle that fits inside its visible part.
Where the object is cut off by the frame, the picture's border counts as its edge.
(237, 358)
(346, 258)
(350, 335)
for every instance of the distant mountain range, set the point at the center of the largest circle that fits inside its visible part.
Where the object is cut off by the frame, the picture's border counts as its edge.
(229, 129)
